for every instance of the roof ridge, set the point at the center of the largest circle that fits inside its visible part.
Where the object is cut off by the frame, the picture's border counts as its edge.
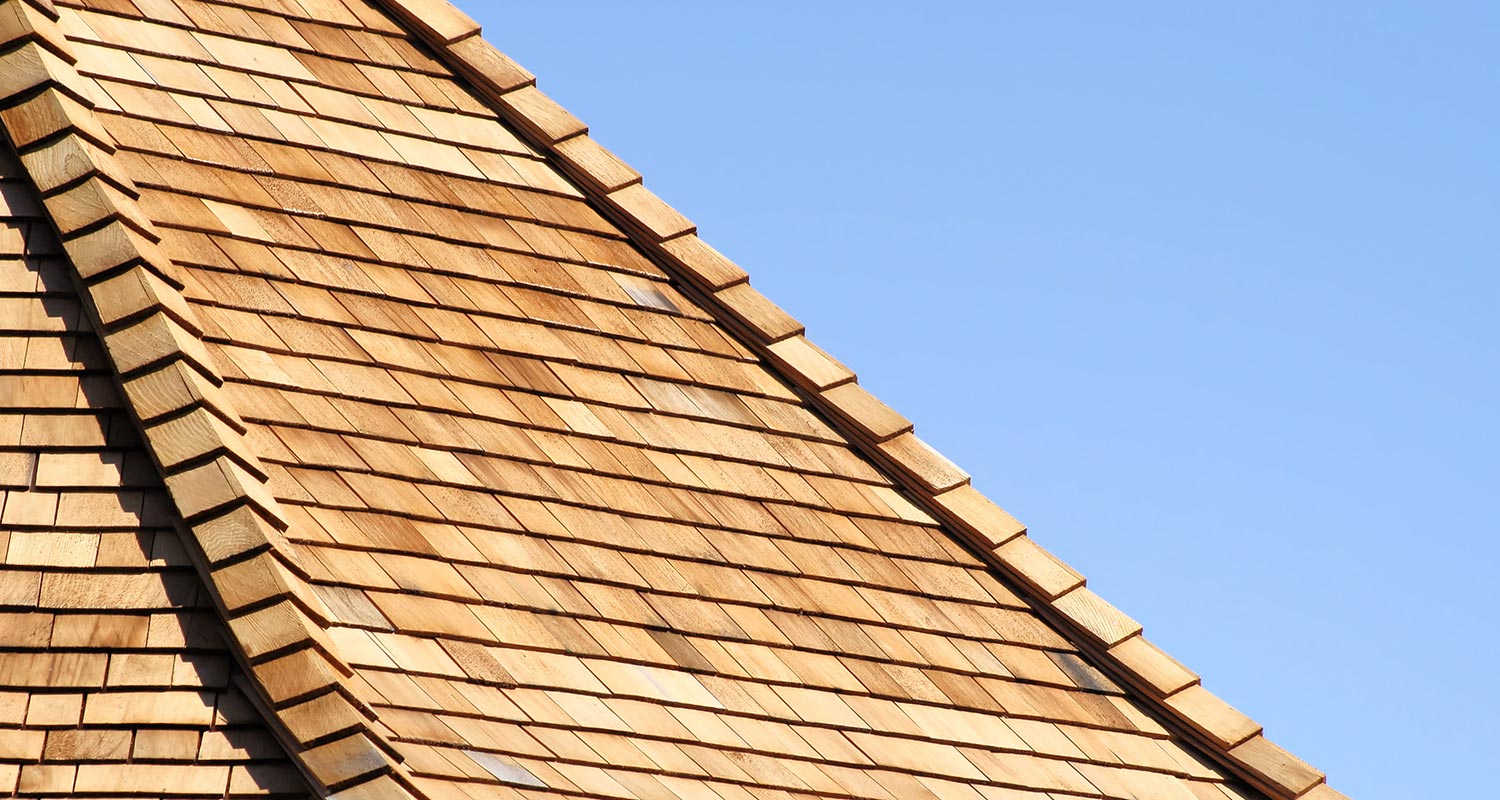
(195, 437)
(879, 432)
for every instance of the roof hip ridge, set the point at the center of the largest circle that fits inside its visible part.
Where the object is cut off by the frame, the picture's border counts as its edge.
(881, 434)
(152, 339)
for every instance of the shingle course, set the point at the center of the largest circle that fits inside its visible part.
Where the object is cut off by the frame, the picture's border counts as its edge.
(508, 482)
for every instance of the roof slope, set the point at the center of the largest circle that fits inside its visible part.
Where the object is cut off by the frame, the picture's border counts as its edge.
(568, 508)
(114, 677)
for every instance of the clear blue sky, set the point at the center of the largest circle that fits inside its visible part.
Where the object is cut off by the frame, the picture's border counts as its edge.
(1204, 293)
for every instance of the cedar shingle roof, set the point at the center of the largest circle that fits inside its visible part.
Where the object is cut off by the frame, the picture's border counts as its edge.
(372, 423)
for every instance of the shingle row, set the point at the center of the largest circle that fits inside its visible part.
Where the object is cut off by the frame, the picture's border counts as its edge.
(883, 434)
(195, 437)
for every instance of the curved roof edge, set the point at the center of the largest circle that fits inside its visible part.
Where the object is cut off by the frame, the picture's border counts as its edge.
(883, 435)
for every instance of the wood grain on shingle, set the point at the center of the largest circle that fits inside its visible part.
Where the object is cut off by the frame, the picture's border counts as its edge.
(507, 484)
(209, 471)
(111, 651)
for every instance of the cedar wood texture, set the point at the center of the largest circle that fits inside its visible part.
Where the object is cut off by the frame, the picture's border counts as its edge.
(370, 430)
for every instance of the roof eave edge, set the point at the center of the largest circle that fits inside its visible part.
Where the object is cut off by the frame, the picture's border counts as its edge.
(881, 434)
(232, 524)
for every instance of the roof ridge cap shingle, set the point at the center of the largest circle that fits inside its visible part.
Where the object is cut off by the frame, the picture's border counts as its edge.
(880, 433)
(154, 345)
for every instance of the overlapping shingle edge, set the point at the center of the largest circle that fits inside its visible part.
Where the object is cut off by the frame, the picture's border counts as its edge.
(193, 433)
(883, 435)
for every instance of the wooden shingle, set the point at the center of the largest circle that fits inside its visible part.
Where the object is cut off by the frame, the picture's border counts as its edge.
(499, 477)
(115, 657)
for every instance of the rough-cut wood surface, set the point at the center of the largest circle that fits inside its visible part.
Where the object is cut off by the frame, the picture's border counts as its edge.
(553, 528)
(114, 675)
